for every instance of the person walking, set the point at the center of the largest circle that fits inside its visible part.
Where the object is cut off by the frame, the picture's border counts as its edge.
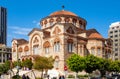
(27, 77)
(23, 76)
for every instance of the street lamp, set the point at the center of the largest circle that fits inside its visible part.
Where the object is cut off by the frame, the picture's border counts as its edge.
(17, 73)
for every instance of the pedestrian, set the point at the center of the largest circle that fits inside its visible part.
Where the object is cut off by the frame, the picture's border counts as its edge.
(27, 77)
(48, 76)
(61, 77)
(23, 76)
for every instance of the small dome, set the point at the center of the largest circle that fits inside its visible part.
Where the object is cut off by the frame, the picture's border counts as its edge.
(62, 12)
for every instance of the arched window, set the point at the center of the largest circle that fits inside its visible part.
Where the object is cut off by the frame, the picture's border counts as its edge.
(81, 25)
(58, 19)
(81, 49)
(70, 45)
(56, 45)
(35, 49)
(74, 20)
(26, 49)
(36, 40)
(56, 30)
(70, 30)
(20, 49)
(46, 46)
(98, 51)
(67, 19)
(45, 23)
(93, 50)
(51, 21)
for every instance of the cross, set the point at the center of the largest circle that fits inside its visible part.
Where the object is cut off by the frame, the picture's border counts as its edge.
(63, 7)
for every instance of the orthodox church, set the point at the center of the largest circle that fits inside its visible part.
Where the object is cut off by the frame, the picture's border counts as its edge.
(62, 33)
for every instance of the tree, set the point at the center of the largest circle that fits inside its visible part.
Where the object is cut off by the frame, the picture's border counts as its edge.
(115, 66)
(4, 67)
(19, 63)
(92, 63)
(27, 63)
(76, 63)
(1, 69)
(103, 66)
(42, 63)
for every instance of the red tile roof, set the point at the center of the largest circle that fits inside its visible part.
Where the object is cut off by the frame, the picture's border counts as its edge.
(62, 12)
(95, 35)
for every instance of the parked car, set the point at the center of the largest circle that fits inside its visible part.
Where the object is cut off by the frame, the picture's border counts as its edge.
(114, 76)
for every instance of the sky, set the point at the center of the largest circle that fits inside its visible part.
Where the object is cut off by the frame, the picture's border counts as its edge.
(24, 15)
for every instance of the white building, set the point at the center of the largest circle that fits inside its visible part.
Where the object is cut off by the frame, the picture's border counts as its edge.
(5, 53)
(114, 34)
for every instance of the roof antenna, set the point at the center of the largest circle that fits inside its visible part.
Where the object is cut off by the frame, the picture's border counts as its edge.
(63, 7)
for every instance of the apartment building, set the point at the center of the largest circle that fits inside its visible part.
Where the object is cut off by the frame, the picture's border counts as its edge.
(114, 34)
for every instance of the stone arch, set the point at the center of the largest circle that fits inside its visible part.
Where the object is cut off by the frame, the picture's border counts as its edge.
(56, 30)
(31, 40)
(56, 57)
(35, 40)
(67, 19)
(59, 19)
(20, 49)
(70, 30)
(70, 40)
(80, 22)
(57, 40)
(26, 48)
(74, 20)
(99, 47)
(46, 44)
(51, 20)
(45, 22)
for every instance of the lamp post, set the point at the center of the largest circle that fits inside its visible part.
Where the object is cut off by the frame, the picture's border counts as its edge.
(17, 73)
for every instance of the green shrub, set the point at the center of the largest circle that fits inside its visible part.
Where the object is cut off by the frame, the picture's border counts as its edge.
(27, 63)
(38, 78)
(16, 77)
(71, 76)
(82, 76)
(85, 75)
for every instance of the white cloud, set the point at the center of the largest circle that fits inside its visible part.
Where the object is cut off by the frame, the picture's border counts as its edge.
(19, 30)
(34, 21)
(38, 24)
(9, 35)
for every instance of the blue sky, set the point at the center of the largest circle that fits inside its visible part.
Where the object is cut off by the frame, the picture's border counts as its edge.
(24, 15)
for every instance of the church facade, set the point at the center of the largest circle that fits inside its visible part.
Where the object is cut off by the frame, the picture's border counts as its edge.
(62, 33)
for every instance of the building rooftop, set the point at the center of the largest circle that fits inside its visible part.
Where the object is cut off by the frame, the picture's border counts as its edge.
(115, 24)
(62, 12)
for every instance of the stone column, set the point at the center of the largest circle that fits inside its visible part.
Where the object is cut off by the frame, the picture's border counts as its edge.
(2, 57)
(5, 57)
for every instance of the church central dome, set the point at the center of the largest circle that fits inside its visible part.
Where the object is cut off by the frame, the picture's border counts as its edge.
(62, 12)
(63, 17)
